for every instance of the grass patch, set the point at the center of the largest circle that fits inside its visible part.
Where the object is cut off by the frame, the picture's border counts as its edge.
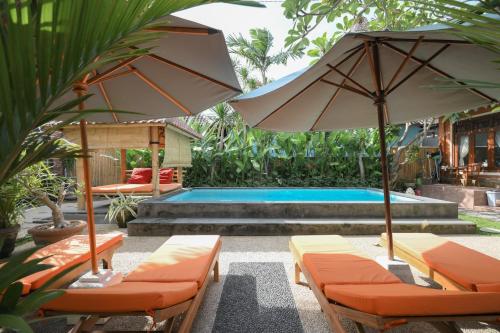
(480, 222)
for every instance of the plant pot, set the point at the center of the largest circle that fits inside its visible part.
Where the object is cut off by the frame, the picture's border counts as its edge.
(418, 192)
(122, 223)
(45, 234)
(8, 238)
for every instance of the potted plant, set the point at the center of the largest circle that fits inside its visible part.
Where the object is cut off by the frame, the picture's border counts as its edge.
(11, 213)
(48, 189)
(122, 209)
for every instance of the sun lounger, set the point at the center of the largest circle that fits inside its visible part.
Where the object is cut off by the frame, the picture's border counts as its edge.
(453, 266)
(349, 284)
(68, 253)
(170, 283)
(136, 189)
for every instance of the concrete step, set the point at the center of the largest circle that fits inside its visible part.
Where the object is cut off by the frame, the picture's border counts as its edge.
(273, 227)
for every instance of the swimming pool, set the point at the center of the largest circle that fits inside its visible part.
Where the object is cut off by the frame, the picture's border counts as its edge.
(270, 195)
(293, 203)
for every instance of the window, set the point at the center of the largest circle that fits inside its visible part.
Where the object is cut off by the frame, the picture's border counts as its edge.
(481, 148)
(463, 150)
(497, 149)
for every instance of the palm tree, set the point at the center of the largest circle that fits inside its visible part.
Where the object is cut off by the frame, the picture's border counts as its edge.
(256, 51)
(46, 47)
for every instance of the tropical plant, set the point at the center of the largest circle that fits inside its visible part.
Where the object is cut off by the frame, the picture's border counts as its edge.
(256, 51)
(46, 47)
(253, 157)
(321, 45)
(14, 307)
(122, 209)
(12, 205)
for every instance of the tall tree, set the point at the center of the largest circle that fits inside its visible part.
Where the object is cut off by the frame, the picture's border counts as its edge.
(307, 15)
(256, 51)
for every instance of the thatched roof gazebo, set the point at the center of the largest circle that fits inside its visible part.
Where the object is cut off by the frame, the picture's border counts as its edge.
(173, 135)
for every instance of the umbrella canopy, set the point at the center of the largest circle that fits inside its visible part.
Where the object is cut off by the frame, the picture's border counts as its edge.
(373, 79)
(338, 91)
(187, 71)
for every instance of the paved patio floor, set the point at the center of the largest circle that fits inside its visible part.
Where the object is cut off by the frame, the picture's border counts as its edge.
(264, 250)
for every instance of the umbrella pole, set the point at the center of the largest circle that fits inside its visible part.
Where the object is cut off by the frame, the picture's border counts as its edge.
(385, 179)
(81, 90)
(381, 103)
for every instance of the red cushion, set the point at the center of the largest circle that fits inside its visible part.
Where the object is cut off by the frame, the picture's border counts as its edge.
(140, 176)
(166, 176)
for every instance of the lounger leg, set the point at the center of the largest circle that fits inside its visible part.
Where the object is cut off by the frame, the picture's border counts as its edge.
(359, 327)
(84, 324)
(336, 323)
(216, 271)
(297, 273)
(445, 327)
(169, 324)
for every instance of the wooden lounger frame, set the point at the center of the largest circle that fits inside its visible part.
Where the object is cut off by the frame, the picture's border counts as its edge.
(422, 266)
(187, 310)
(135, 194)
(335, 311)
(105, 257)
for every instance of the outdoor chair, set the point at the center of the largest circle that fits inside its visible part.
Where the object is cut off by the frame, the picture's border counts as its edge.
(67, 253)
(453, 266)
(349, 284)
(170, 284)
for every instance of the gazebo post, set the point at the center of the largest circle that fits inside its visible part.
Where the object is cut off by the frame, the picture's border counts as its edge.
(81, 90)
(155, 160)
(380, 102)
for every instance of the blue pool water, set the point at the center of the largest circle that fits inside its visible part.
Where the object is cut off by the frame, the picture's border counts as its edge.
(242, 195)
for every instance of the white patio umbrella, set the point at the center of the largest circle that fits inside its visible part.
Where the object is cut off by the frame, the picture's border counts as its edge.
(373, 79)
(187, 72)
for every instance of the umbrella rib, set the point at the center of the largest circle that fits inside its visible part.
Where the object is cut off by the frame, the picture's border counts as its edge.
(191, 71)
(382, 39)
(337, 91)
(440, 72)
(161, 91)
(350, 88)
(422, 65)
(108, 101)
(347, 77)
(376, 83)
(104, 75)
(353, 52)
(404, 62)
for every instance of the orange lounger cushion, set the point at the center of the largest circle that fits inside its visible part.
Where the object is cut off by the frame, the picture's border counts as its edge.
(64, 254)
(134, 188)
(124, 297)
(411, 300)
(471, 269)
(179, 259)
(331, 268)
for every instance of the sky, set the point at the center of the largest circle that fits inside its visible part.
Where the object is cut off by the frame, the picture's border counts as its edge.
(232, 19)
